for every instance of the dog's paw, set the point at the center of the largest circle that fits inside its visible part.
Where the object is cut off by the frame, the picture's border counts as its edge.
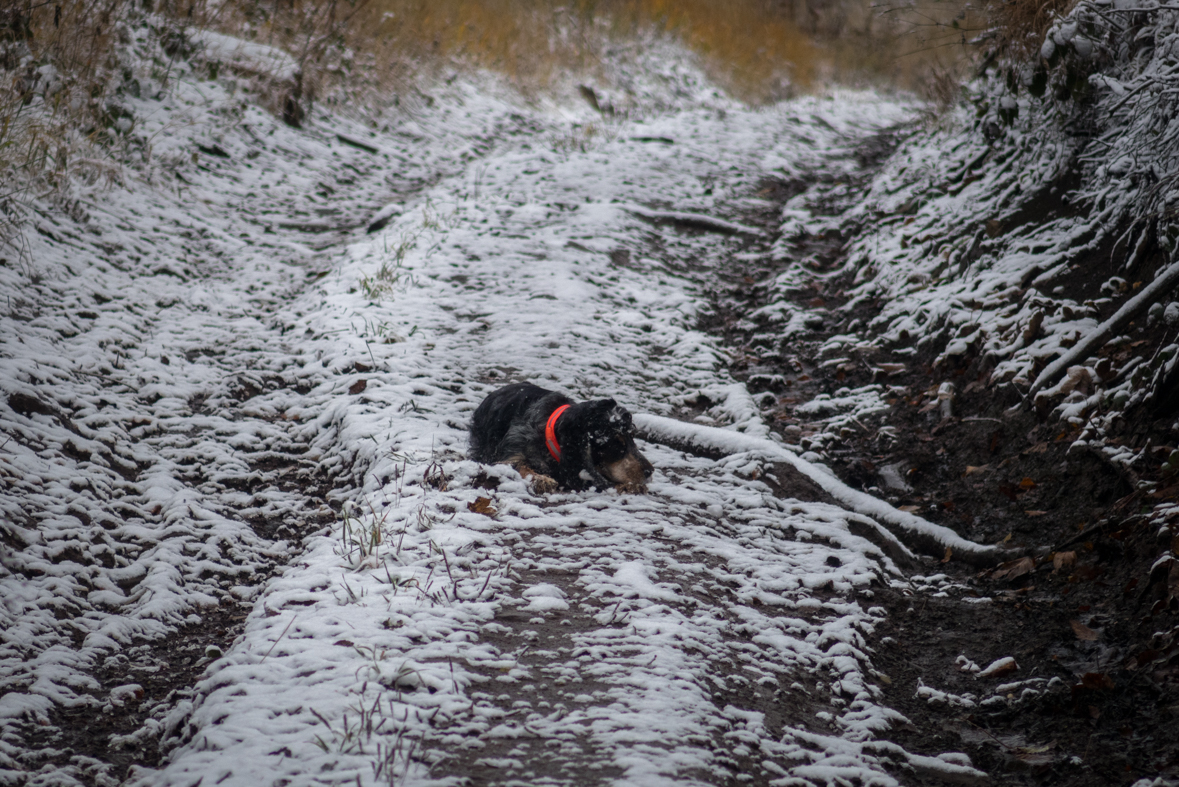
(631, 489)
(542, 484)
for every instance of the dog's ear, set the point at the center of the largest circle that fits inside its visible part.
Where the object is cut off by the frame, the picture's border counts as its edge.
(605, 405)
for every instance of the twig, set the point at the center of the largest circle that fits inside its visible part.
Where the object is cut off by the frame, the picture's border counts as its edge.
(280, 636)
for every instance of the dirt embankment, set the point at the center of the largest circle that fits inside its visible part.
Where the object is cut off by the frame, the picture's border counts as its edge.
(1091, 696)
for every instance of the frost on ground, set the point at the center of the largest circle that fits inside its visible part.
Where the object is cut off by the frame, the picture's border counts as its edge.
(222, 401)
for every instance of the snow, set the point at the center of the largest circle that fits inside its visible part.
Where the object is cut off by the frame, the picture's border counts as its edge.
(247, 56)
(211, 402)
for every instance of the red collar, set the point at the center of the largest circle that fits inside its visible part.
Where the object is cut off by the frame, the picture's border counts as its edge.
(550, 432)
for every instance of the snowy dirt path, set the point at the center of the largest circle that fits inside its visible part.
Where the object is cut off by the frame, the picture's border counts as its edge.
(448, 626)
(457, 626)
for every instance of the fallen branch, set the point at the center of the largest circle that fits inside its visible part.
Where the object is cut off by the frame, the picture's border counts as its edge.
(1087, 346)
(697, 221)
(356, 143)
(913, 531)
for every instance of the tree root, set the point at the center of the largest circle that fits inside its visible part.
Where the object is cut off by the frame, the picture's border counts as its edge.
(912, 531)
(1162, 284)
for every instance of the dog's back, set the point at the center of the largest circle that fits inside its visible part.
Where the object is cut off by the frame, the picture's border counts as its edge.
(497, 414)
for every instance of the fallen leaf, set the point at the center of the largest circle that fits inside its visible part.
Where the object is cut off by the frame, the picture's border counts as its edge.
(1143, 658)
(1014, 568)
(909, 509)
(1040, 760)
(481, 505)
(1082, 631)
(999, 668)
(1026, 483)
(1097, 681)
(1064, 560)
(1034, 512)
(358, 386)
(972, 469)
(949, 554)
(1105, 370)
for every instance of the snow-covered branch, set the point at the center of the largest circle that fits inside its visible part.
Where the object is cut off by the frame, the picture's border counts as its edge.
(1165, 281)
(913, 531)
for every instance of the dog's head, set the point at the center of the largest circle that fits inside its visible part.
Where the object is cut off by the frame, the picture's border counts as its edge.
(610, 432)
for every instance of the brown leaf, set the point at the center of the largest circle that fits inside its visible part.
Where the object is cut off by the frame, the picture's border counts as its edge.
(358, 386)
(1105, 370)
(1082, 631)
(1015, 568)
(1026, 483)
(1064, 560)
(972, 469)
(1143, 658)
(909, 509)
(949, 554)
(999, 667)
(481, 505)
(1034, 512)
(1097, 681)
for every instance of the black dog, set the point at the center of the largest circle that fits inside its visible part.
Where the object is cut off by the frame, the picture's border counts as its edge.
(557, 443)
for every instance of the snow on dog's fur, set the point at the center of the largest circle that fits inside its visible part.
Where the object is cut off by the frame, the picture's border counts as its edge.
(594, 440)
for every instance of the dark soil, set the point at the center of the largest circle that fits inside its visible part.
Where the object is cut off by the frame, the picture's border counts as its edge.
(160, 675)
(1086, 614)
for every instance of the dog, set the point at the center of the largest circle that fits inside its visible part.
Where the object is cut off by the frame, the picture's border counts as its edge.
(557, 443)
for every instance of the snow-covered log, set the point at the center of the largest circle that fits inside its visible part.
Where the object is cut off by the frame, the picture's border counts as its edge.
(699, 221)
(1130, 309)
(913, 531)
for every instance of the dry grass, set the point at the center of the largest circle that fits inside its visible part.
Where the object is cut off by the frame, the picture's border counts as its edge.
(757, 50)
(1019, 25)
(63, 63)
(750, 47)
(55, 62)
(32, 135)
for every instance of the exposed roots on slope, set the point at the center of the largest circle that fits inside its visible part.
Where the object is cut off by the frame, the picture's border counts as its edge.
(909, 529)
